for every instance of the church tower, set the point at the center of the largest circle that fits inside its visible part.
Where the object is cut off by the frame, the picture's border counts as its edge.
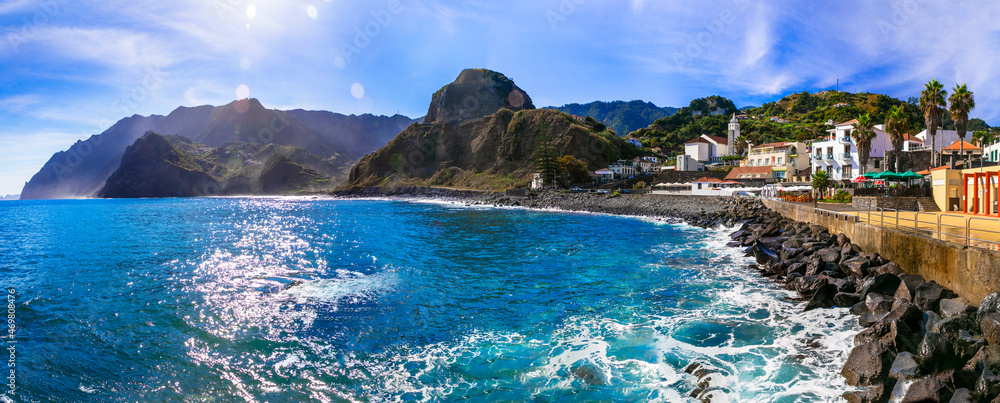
(734, 133)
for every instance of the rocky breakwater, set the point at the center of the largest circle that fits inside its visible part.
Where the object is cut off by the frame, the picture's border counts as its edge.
(921, 343)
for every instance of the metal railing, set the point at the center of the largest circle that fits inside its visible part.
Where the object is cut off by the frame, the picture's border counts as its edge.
(892, 192)
(935, 226)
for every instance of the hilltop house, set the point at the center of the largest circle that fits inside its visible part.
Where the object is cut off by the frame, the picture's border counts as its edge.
(634, 141)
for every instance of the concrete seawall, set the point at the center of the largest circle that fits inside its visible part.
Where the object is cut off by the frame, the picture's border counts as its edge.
(970, 272)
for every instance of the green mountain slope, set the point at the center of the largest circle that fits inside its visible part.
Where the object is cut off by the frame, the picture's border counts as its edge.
(620, 116)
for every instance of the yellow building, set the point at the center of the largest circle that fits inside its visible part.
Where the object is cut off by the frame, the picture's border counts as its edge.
(973, 191)
(783, 158)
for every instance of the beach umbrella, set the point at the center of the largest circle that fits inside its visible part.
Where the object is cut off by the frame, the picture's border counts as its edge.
(870, 175)
(859, 179)
(911, 175)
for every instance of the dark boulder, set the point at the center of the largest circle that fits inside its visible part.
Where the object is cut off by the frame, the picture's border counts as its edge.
(845, 300)
(799, 268)
(868, 364)
(990, 325)
(888, 268)
(807, 285)
(954, 306)
(872, 394)
(904, 367)
(908, 283)
(906, 312)
(962, 395)
(882, 284)
(928, 295)
(928, 389)
(822, 298)
(763, 254)
(878, 303)
(935, 353)
(829, 255)
(989, 304)
(893, 334)
(857, 266)
(928, 320)
(988, 384)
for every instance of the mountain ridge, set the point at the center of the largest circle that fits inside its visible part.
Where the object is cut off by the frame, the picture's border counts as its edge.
(82, 169)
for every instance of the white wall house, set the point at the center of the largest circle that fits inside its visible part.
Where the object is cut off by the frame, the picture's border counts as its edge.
(706, 149)
(837, 154)
(713, 187)
(623, 169)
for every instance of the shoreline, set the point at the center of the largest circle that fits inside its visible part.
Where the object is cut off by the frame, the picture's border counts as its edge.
(921, 342)
(699, 211)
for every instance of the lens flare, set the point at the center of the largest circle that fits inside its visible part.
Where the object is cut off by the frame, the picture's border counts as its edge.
(311, 11)
(251, 11)
(357, 90)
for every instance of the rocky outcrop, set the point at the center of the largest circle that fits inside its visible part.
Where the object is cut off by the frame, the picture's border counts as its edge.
(152, 167)
(157, 166)
(474, 94)
(493, 147)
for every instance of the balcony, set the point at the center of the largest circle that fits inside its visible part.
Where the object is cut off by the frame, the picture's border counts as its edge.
(845, 157)
(844, 140)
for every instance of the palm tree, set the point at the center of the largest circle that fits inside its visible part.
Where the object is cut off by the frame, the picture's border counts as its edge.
(961, 102)
(820, 182)
(742, 145)
(895, 126)
(932, 102)
(863, 134)
(984, 138)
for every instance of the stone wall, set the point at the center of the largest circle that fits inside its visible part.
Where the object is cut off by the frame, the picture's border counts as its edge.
(687, 176)
(971, 272)
(895, 203)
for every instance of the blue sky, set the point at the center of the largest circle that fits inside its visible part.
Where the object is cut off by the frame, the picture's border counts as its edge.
(69, 69)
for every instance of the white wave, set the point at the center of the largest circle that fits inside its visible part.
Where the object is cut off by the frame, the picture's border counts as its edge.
(351, 284)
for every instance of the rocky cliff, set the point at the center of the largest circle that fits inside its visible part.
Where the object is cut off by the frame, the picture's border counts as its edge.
(339, 140)
(486, 144)
(152, 167)
(175, 166)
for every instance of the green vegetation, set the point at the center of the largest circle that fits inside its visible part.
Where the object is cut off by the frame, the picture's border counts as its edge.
(820, 182)
(960, 103)
(573, 170)
(932, 105)
(622, 117)
(863, 134)
(546, 159)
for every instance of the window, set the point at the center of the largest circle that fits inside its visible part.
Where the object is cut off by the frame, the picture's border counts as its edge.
(846, 172)
(779, 160)
(699, 186)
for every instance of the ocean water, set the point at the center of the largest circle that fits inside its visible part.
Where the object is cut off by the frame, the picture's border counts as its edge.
(311, 300)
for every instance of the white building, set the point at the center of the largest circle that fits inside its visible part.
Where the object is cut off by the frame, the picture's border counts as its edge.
(634, 141)
(623, 169)
(536, 182)
(705, 149)
(713, 187)
(837, 154)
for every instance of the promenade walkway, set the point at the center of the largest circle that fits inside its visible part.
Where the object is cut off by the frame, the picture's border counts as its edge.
(961, 228)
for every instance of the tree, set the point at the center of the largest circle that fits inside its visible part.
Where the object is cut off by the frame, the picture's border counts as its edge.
(961, 102)
(863, 134)
(820, 182)
(574, 170)
(742, 145)
(895, 126)
(932, 102)
(545, 158)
